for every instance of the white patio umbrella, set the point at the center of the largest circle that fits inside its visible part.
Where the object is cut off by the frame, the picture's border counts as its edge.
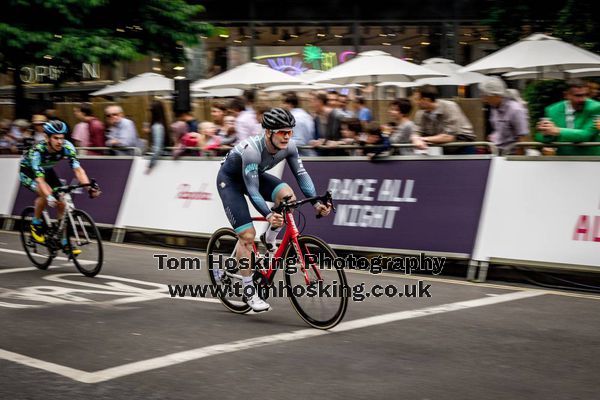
(374, 67)
(454, 78)
(247, 76)
(146, 83)
(217, 93)
(572, 73)
(400, 84)
(307, 76)
(108, 91)
(540, 53)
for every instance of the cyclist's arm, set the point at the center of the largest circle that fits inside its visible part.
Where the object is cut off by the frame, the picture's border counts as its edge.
(71, 155)
(250, 162)
(35, 159)
(302, 177)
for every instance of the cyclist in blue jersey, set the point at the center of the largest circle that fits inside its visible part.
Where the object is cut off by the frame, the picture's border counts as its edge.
(243, 173)
(37, 175)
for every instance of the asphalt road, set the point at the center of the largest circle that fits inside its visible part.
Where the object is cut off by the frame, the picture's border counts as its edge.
(120, 335)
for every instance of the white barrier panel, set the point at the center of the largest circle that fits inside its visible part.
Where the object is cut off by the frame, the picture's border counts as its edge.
(176, 196)
(9, 182)
(542, 211)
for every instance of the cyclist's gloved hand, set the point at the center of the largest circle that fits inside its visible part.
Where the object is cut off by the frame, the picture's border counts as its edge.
(275, 219)
(322, 209)
(51, 200)
(94, 191)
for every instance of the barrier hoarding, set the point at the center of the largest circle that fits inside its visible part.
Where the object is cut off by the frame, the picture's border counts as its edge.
(421, 205)
(176, 196)
(542, 211)
(9, 181)
(110, 173)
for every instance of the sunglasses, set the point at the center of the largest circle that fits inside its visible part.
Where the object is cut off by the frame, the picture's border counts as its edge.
(283, 133)
(112, 115)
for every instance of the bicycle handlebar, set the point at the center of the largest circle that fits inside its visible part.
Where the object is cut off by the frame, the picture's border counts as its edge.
(70, 188)
(286, 205)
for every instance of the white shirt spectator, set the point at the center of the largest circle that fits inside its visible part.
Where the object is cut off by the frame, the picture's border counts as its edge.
(304, 131)
(246, 124)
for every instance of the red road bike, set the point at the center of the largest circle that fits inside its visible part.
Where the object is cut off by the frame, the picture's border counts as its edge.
(316, 286)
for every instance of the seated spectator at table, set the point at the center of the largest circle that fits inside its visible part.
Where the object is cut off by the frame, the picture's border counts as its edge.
(304, 131)
(122, 131)
(508, 117)
(571, 120)
(441, 121)
(404, 130)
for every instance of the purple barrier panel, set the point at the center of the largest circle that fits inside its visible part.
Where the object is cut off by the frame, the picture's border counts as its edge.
(110, 174)
(429, 205)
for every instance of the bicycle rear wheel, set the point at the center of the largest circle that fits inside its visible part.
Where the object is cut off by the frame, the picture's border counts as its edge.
(38, 253)
(222, 246)
(322, 302)
(84, 235)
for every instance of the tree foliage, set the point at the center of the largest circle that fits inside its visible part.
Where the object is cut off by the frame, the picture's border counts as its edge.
(70, 32)
(574, 21)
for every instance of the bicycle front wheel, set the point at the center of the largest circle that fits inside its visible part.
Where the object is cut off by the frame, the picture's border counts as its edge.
(322, 301)
(221, 246)
(38, 253)
(83, 235)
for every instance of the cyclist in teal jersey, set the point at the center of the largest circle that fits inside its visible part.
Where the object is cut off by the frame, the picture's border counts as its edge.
(37, 175)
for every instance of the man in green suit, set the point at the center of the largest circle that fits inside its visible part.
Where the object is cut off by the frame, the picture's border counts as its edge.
(571, 120)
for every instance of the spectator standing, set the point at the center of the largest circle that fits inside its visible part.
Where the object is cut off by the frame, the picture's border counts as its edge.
(38, 121)
(246, 124)
(364, 114)
(571, 120)
(508, 117)
(96, 129)
(343, 109)
(304, 131)
(442, 121)
(404, 130)
(81, 131)
(159, 134)
(122, 132)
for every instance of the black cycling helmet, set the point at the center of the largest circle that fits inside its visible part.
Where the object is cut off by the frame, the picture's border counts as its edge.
(55, 127)
(278, 118)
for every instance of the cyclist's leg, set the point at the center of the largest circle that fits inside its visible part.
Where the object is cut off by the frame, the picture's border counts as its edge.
(275, 190)
(53, 181)
(231, 192)
(27, 178)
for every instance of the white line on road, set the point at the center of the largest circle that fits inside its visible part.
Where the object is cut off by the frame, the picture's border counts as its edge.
(245, 344)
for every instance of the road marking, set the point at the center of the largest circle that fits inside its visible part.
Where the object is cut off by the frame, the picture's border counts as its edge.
(251, 343)
(82, 262)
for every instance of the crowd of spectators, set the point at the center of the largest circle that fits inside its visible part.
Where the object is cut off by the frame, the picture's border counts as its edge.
(333, 125)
